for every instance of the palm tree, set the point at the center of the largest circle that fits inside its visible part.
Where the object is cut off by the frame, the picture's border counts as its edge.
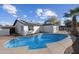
(73, 13)
(68, 23)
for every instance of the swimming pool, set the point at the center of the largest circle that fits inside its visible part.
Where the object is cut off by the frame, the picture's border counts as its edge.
(34, 42)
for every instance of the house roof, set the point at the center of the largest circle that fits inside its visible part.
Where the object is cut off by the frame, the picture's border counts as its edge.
(30, 23)
(25, 23)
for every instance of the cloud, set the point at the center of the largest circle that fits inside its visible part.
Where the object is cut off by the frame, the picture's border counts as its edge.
(50, 13)
(10, 8)
(39, 12)
(15, 16)
(45, 13)
(24, 16)
(43, 17)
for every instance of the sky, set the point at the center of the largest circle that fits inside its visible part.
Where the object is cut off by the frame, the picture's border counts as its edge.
(37, 13)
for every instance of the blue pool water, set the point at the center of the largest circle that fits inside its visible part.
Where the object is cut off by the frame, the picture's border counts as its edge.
(34, 42)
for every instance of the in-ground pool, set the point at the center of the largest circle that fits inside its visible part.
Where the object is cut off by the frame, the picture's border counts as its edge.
(34, 42)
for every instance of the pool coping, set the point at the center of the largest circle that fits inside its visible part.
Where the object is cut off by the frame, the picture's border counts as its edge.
(59, 43)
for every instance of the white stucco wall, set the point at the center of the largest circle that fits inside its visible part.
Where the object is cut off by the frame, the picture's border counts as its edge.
(25, 30)
(55, 29)
(49, 29)
(18, 28)
(4, 32)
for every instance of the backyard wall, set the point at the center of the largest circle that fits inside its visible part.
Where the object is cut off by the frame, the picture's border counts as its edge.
(4, 32)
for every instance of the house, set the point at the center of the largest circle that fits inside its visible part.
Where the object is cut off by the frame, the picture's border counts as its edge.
(6, 30)
(23, 28)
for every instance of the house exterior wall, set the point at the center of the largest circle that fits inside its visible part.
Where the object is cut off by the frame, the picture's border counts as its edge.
(55, 29)
(4, 31)
(41, 29)
(19, 28)
(49, 29)
(23, 29)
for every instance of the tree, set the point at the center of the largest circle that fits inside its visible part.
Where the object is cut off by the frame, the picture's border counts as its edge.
(73, 13)
(68, 23)
(52, 20)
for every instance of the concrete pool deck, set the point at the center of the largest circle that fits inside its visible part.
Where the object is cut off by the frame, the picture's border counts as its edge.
(52, 48)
